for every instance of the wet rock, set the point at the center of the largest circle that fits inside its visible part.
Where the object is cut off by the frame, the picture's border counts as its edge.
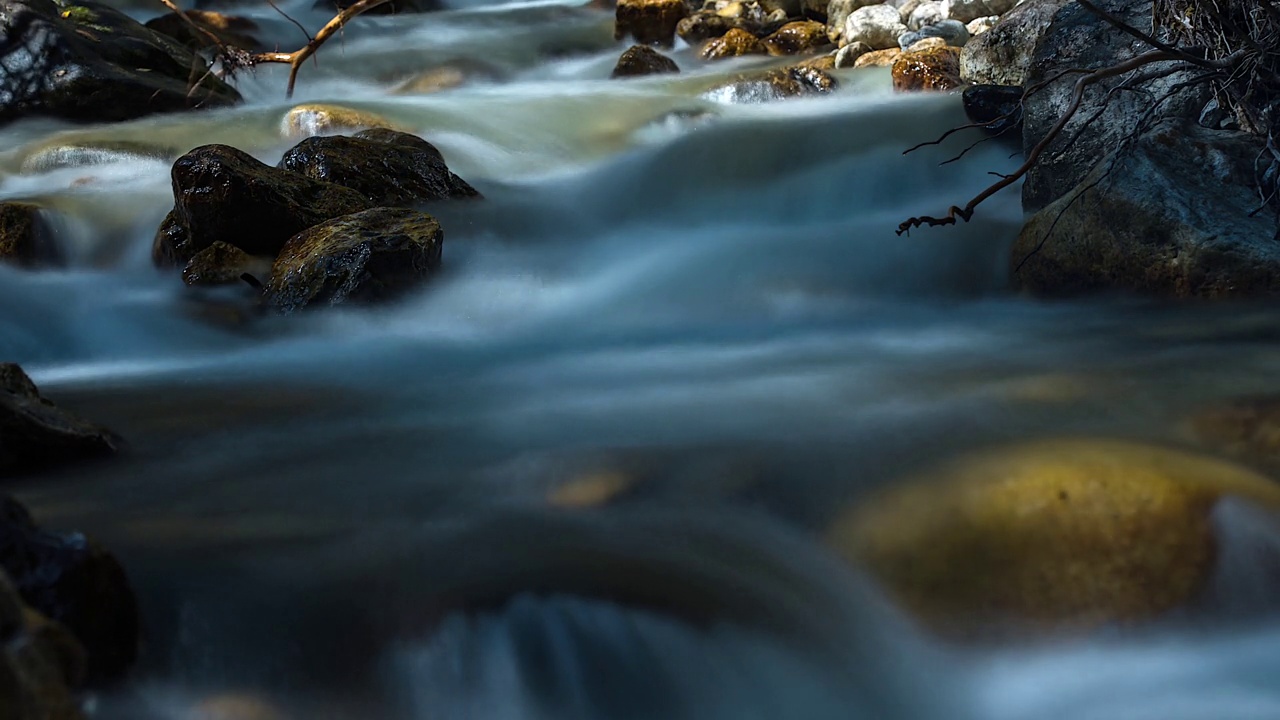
(35, 433)
(878, 58)
(40, 664)
(838, 12)
(734, 43)
(702, 26)
(953, 33)
(76, 583)
(876, 25)
(641, 60)
(997, 107)
(848, 55)
(221, 193)
(224, 264)
(929, 43)
(805, 79)
(26, 239)
(387, 167)
(814, 10)
(797, 37)
(230, 30)
(370, 256)
(937, 69)
(62, 154)
(1002, 55)
(1246, 428)
(320, 119)
(1078, 39)
(91, 63)
(969, 10)
(1171, 214)
(1049, 536)
(650, 22)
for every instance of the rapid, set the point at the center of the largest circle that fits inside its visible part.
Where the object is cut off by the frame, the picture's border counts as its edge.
(693, 303)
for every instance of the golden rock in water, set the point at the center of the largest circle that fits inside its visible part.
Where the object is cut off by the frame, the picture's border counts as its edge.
(878, 58)
(591, 490)
(235, 706)
(1047, 536)
(1247, 427)
(319, 119)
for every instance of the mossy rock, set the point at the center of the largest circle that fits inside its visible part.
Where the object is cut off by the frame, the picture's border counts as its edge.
(1047, 536)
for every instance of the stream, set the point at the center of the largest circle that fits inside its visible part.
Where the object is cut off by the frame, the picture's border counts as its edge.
(673, 299)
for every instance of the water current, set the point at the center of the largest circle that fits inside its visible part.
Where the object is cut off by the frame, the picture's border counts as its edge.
(688, 301)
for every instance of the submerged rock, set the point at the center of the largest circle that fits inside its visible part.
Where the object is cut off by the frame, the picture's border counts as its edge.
(1054, 535)
(320, 119)
(650, 22)
(1247, 428)
(370, 256)
(640, 60)
(387, 167)
(34, 432)
(797, 81)
(224, 264)
(40, 663)
(88, 62)
(229, 30)
(735, 43)
(25, 237)
(76, 583)
(221, 193)
(936, 69)
(1170, 214)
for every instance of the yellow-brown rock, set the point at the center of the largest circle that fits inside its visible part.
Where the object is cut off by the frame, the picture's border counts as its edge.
(937, 69)
(735, 43)
(1047, 536)
(878, 58)
(797, 37)
(321, 119)
(650, 22)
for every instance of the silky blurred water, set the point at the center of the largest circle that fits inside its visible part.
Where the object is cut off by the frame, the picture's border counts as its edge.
(698, 305)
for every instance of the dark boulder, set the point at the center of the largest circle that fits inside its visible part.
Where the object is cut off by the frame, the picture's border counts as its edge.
(366, 257)
(88, 62)
(650, 22)
(224, 264)
(25, 237)
(387, 167)
(640, 60)
(221, 193)
(1170, 214)
(73, 581)
(34, 432)
(40, 663)
(702, 25)
(229, 30)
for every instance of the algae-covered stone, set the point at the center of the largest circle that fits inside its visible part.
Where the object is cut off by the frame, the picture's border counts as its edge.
(1049, 535)
(366, 257)
(639, 60)
(25, 237)
(224, 264)
(88, 62)
(221, 193)
(388, 168)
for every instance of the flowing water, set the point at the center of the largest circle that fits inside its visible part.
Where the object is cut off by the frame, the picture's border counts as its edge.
(689, 302)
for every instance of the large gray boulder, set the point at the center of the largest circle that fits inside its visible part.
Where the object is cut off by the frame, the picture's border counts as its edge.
(1076, 38)
(876, 25)
(970, 10)
(1003, 54)
(1170, 214)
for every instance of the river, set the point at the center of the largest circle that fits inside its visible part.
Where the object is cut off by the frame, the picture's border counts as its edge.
(691, 304)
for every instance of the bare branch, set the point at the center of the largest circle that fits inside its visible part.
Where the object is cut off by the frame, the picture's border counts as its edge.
(299, 56)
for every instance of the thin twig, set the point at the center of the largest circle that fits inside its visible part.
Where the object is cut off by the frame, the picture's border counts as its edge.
(299, 56)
